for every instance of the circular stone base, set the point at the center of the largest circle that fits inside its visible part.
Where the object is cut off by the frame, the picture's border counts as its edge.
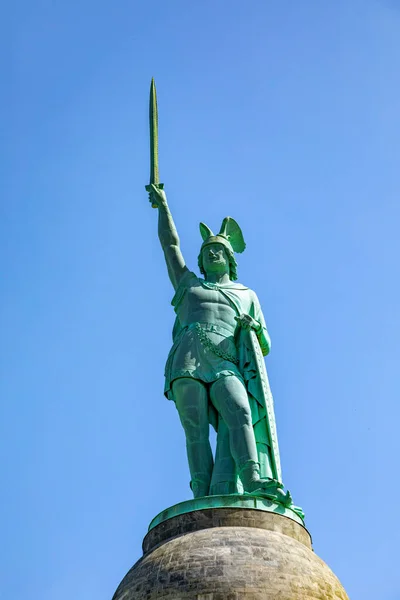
(229, 554)
(229, 501)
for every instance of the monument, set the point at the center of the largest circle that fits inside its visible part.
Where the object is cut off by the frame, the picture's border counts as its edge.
(242, 536)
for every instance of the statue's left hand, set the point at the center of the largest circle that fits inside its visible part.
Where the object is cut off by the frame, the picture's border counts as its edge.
(247, 322)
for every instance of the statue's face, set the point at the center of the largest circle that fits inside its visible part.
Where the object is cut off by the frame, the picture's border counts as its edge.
(215, 259)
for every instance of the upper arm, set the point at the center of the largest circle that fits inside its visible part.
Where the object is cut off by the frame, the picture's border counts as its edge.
(175, 264)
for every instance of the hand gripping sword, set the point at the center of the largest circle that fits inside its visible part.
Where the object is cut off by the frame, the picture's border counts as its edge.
(153, 117)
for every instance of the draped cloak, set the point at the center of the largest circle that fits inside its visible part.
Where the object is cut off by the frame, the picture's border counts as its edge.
(249, 365)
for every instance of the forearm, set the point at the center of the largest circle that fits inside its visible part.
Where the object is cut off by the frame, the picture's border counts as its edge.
(249, 322)
(264, 339)
(168, 235)
(167, 232)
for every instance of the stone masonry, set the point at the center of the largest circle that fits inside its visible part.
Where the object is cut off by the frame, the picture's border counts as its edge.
(229, 554)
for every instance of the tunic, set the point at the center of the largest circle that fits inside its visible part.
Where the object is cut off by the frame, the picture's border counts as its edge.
(205, 331)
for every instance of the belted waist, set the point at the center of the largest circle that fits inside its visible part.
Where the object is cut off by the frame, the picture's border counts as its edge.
(202, 328)
(225, 331)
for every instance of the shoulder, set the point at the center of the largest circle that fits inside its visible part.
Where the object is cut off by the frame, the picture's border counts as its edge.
(254, 298)
(248, 292)
(235, 285)
(188, 279)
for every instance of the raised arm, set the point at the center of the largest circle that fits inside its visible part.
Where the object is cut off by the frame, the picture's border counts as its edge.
(168, 236)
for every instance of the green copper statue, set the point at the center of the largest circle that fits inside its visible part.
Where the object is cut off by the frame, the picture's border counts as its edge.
(215, 370)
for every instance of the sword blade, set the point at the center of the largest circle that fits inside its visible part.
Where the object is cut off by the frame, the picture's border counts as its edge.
(153, 116)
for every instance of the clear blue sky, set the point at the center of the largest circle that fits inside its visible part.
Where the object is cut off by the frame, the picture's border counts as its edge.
(284, 115)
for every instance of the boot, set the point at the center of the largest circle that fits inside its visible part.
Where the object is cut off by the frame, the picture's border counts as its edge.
(200, 488)
(265, 487)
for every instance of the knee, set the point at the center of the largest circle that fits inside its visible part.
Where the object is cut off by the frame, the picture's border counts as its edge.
(237, 412)
(231, 399)
(241, 416)
(195, 424)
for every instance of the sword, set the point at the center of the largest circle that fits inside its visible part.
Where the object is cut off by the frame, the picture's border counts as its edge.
(268, 403)
(153, 117)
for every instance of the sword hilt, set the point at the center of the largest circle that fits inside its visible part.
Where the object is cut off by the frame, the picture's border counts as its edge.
(149, 189)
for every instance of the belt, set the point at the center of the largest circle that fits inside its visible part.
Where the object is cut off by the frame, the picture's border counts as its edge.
(213, 328)
(202, 328)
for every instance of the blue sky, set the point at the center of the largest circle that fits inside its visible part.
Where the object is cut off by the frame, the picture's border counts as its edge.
(284, 115)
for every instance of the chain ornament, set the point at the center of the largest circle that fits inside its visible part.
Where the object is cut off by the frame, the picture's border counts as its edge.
(207, 343)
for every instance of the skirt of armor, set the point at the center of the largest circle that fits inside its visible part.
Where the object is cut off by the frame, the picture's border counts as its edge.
(193, 357)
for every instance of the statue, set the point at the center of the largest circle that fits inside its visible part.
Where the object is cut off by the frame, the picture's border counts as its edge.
(215, 371)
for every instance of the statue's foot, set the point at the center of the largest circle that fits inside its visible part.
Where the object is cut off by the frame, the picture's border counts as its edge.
(258, 483)
(199, 488)
(271, 489)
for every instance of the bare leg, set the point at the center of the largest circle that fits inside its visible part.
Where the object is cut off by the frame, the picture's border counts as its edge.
(192, 403)
(229, 396)
(224, 473)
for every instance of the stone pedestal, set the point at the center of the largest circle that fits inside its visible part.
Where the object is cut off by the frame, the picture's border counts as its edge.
(229, 554)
